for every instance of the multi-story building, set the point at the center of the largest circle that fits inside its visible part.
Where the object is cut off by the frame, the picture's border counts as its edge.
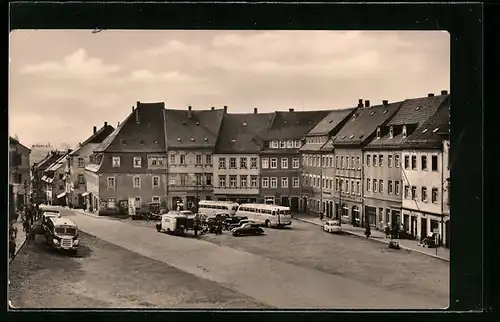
(280, 157)
(79, 158)
(130, 164)
(236, 159)
(38, 172)
(382, 162)
(55, 181)
(348, 144)
(318, 172)
(19, 168)
(424, 171)
(191, 139)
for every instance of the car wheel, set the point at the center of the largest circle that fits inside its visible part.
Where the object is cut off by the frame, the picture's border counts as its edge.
(268, 224)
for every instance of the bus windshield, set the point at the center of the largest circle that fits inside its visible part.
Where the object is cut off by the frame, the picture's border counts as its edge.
(285, 212)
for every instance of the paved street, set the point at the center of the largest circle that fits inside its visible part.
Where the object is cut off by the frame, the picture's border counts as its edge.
(289, 268)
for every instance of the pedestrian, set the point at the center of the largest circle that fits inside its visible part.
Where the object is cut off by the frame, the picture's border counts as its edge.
(12, 230)
(367, 230)
(12, 247)
(387, 230)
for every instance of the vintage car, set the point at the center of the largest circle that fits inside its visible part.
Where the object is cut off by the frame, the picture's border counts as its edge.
(247, 229)
(332, 226)
(178, 222)
(239, 224)
(233, 221)
(62, 234)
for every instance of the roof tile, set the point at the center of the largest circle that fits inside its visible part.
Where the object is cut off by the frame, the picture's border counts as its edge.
(292, 125)
(330, 122)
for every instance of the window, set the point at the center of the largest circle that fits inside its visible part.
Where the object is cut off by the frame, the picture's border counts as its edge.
(208, 179)
(358, 162)
(423, 161)
(357, 187)
(274, 182)
(243, 181)
(368, 181)
(289, 144)
(172, 159)
(424, 194)
(391, 132)
(375, 187)
(232, 181)
(342, 162)
(413, 162)
(265, 182)
(434, 163)
(81, 179)
(407, 162)
(253, 181)
(347, 186)
(381, 186)
(396, 160)
(81, 163)
(183, 159)
(368, 157)
(156, 199)
(137, 202)
(381, 160)
(353, 165)
(282, 144)
(232, 163)
(378, 133)
(222, 181)
(284, 163)
(137, 182)
(111, 203)
(374, 160)
(156, 182)
(116, 162)
(198, 159)
(389, 160)
(336, 184)
(265, 163)
(331, 161)
(352, 186)
(337, 162)
(323, 183)
(284, 182)
(296, 182)
(297, 144)
(208, 159)
(253, 163)
(137, 162)
(111, 182)
(199, 179)
(389, 187)
(413, 192)
(274, 144)
(222, 163)
(295, 163)
(183, 179)
(274, 163)
(396, 187)
(404, 131)
(434, 195)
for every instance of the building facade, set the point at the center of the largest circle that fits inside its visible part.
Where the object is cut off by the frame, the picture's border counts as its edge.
(55, 181)
(236, 159)
(38, 185)
(19, 172)
(383, 192)
(280, 157)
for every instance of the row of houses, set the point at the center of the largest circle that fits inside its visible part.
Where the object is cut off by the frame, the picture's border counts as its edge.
(19, 174)
(383, 163)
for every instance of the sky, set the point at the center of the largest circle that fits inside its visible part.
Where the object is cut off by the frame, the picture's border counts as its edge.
(63, 82)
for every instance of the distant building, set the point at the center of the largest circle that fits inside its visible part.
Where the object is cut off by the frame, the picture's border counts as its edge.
(39, 152)
(54, 179)
(19, 172)
(38, 172)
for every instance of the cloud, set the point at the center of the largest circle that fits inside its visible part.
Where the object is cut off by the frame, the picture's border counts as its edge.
(74, 66)
(144, 75)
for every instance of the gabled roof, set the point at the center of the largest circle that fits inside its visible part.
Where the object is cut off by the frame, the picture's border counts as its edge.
(98, 137)
(330, 122)
(142, 130)
(292, 125)
(58, 163)
(430, 133)
(239, 131)
(412, 112)
(15, 141)
(363, 124)
(193, 128)
(48, 160)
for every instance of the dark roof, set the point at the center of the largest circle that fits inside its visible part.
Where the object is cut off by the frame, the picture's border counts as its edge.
(15, 141)
(98, 137)
(239, 131)
(330, 122)
(364, 122)
(412, 112)
(201, 130)
(429, 134)
(142, 130)
(292, 125)
(48, 160)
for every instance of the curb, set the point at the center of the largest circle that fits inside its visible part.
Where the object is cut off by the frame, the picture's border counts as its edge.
(18, 249)
(379, 241)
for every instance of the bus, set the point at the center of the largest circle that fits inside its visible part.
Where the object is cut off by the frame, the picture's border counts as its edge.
(269, 215)
(211, 207)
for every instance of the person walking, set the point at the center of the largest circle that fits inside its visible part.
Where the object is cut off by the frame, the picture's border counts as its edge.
(368, 230)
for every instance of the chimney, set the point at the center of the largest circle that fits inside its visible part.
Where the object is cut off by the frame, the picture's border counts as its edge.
(212, 108)
(385, 102)
(444, 92)
(255, 110)
(95, 129)
(360, 102)
(138, 103)
(190, 113)
(133, 108)
(137, 120)
(225, 109)
(430, 95)
(367, 103)
(105, 123)
(290, 109)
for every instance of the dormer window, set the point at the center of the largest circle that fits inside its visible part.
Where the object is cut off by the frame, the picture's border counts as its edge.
(404, 131)
(378, 133)
(391, 132)
(274, 144)
(282, 144)
(435, 130)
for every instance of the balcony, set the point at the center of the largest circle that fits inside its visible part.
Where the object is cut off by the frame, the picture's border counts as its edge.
(236, 190)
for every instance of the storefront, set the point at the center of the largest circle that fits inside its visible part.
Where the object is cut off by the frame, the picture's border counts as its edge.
(371, 215)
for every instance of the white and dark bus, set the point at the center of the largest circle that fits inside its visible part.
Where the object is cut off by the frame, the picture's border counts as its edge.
(269, 215)
(212, 207)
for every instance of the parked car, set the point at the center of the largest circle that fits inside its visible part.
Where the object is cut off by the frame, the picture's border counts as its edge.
(332, 226)
(239, 224)
(233, 221)
(247, 229)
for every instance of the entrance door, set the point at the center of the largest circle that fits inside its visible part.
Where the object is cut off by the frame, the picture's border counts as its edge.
(285, 201)
(423, 228)
(294, 204)
(304, 204)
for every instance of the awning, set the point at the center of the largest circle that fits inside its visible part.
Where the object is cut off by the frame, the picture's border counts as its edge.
(86, 193)
(61, 195)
